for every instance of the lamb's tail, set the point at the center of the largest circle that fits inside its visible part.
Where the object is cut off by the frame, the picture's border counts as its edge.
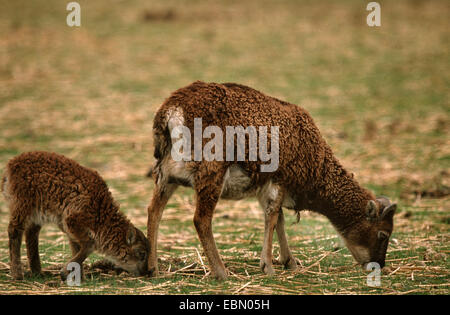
(2, 186)
(149, 172)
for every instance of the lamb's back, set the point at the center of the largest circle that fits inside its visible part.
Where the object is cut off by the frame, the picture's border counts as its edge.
(53, 178)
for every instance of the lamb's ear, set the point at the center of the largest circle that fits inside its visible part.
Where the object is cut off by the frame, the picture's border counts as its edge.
(371, 210)
(389, 211)
(131, 235)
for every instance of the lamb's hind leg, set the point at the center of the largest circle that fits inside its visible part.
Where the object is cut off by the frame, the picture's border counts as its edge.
(15, 233)
(19, 212)
(32, 242)
(286, 257)
(270, 198)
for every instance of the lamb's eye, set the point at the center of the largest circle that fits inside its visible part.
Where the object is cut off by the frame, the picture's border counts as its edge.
(140, 254)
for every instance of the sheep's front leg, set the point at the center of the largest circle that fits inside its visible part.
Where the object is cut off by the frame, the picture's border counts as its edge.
(286, 257)
(270, 198)
(270, 218)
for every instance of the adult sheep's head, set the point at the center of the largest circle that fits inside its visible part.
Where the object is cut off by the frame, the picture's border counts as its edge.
(368, 240)
(134, 252)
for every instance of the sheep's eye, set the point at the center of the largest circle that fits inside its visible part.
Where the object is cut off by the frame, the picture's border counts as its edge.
(382, 235)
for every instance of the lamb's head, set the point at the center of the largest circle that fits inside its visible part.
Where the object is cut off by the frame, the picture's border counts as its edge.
(368, 240)
(133, 256)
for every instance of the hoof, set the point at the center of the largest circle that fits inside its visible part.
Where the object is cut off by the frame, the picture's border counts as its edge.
(17, 276)
(63, 274)
(17, 273)
(266, 268)
(153, 272)
(290, 263)
(220, 275)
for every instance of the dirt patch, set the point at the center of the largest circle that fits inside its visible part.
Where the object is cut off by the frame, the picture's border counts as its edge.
(159, 15)
(435, 187)
(439, 192)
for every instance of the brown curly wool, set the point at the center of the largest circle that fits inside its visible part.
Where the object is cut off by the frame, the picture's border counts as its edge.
(42, 187)
(306, 162)
(308, 175)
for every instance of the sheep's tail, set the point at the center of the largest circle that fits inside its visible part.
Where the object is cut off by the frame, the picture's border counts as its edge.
(165, 121)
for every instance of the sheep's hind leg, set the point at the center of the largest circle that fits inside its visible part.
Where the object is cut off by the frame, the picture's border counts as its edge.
(208, 187)
(161, 195)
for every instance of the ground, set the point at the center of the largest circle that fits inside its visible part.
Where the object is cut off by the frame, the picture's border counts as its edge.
(380, 96)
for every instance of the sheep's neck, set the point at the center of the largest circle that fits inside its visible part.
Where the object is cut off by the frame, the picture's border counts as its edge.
(340, 198)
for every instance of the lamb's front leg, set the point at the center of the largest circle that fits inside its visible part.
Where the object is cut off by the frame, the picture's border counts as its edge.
(84, 250)
(270, 198)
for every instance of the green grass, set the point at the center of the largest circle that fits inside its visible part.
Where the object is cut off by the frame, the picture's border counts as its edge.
(379, 95)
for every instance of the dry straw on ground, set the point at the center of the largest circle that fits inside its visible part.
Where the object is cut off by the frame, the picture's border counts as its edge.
(379, 96)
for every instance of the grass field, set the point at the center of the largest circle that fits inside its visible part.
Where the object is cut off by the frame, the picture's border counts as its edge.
(380, 96)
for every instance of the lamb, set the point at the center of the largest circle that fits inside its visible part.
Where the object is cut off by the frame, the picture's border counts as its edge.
(42, 187)
(308, 177)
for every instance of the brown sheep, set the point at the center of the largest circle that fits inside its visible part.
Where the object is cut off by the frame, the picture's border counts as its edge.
(308, 175)
(42, 187)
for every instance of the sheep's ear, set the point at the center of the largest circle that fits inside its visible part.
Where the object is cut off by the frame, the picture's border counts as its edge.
(371, 210)
(384, 201)
(131, 235)
(389, 211)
